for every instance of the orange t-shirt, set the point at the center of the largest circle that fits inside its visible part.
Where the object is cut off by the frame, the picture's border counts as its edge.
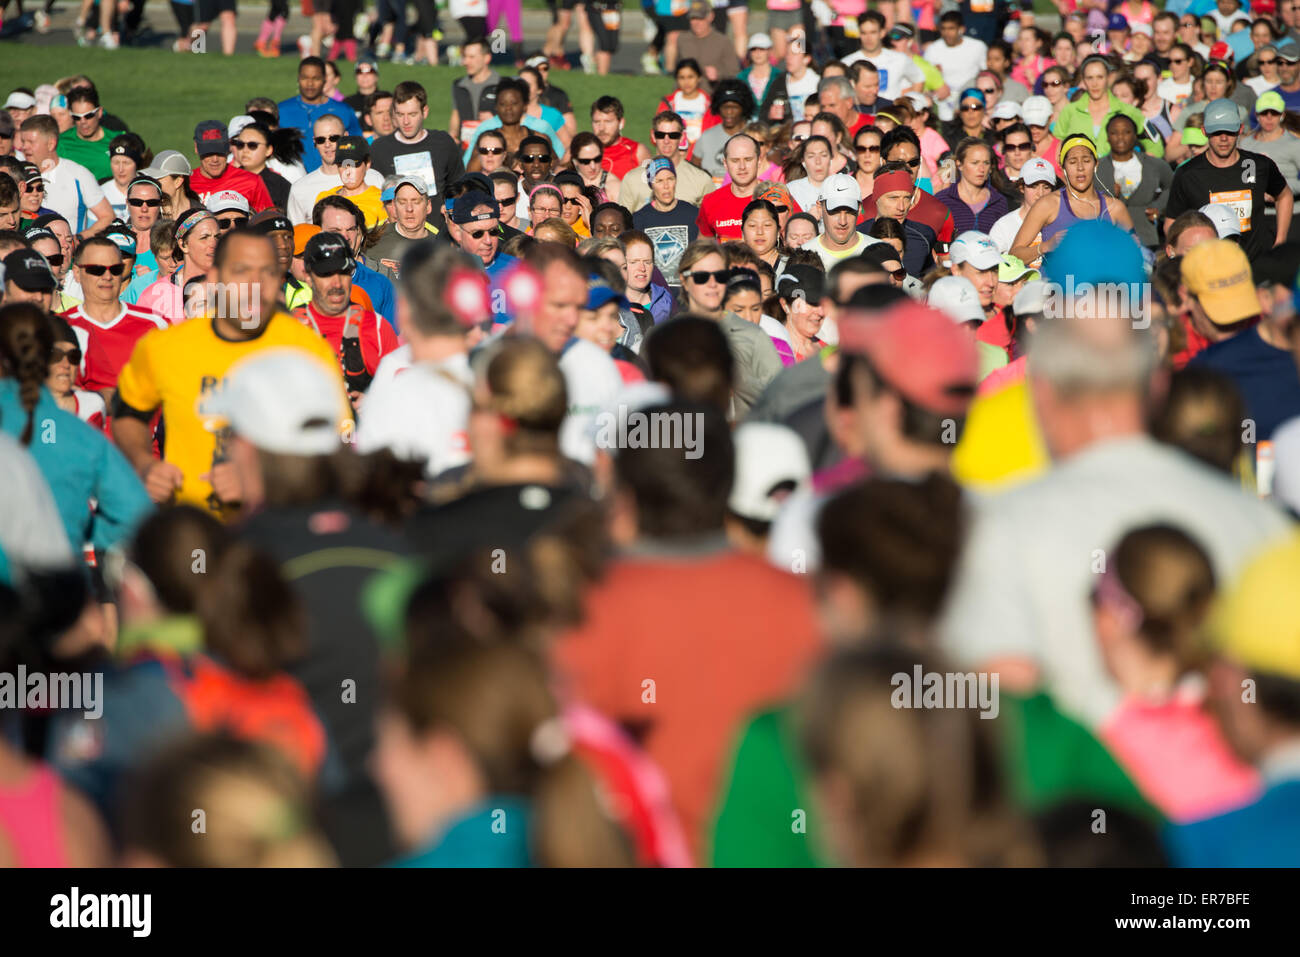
(681, 651)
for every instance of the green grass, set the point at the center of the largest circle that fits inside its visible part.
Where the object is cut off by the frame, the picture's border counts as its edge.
(162, 95)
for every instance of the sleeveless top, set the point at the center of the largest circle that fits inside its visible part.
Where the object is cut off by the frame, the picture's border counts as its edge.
(1066, 217)
(29, 818)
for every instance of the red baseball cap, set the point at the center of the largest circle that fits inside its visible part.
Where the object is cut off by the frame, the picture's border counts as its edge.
(1221, 51)
(920, 352)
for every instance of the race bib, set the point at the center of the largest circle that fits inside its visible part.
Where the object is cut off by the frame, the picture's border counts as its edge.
(981, 6)
(611, 19)
(416, 164)
(467, 129)
(1238, 200)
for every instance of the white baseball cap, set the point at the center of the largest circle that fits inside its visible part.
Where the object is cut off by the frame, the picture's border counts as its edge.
(225, 200)
(282, 400)
(1031, 299)
(767, 457)
(1037, 170)
(918, 100)
(18, 100)
(1142, 28)
(1225, 220)
(841, 191)
(1006, 110)
(1036, 111)
(975, 248)
(956, 297)
(760, 41)
(237, 124)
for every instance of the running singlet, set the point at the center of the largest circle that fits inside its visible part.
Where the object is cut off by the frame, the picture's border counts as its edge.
(1066, 218)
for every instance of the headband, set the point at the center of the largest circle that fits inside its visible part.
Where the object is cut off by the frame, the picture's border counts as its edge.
(546, 186)
(144, 181)
(1073, 140)
(889, 116)
(891, 183)
(656, 166)
(190, 221)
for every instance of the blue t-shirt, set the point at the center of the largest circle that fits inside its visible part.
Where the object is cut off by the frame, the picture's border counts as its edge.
(380, 290)
(1265, 376)
(496, 271)
(301, 116)
(1263, 834)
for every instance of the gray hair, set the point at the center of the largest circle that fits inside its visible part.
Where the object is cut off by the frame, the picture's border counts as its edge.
(1087, 355)
(840, 84)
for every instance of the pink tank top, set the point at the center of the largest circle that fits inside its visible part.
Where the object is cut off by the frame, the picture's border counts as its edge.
(29, 818)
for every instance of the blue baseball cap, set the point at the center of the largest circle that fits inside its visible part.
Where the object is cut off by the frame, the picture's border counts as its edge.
(600, 292)
(1077, 256)
(1221, 116)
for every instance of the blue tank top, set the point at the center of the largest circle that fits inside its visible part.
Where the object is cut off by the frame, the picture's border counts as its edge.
(1066, 218)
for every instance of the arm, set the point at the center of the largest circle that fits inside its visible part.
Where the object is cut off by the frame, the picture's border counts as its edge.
(1025, 246)
(1119, 213)
(642, 153)
(453, 125)
(1285, 206)
(135, 439)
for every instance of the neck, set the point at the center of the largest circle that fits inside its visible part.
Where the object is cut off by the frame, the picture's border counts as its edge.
(418, 233)
(1124, 156)
(539, 468)
(316, 102)
(662, 208)
(967, 188)
(403, 138)
(234, 330)
(1216, 160)
(436, 348)
(103, 310)
(482, 75)
(746, 190)
(830, 242)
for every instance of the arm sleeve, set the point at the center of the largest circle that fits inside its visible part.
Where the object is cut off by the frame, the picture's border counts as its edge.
(1276, 181)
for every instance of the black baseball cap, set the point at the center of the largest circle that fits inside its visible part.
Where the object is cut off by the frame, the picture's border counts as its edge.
(463, 212)
(271, 221)
(210, 138)
(353, 148)
(31, 173)
(124, 145)
(29, 271)
(326, 253)
(478, 181)
(802, 282)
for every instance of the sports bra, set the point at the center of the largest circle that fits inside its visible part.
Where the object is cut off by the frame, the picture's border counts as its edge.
(1066, 218)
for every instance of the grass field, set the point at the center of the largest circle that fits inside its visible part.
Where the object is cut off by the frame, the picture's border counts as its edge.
(162, 95)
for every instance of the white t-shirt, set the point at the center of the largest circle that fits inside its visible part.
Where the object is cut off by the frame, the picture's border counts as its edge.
(801, 90)
(896, 71)
(71, 190)
(420, 412)
(1260, 85)
(1004, 230)
(1173, 92)
(829, 259)
(302, 195)
(117, 199)
(593, 382)
(805, 193)
(290, 171)
(960, 64)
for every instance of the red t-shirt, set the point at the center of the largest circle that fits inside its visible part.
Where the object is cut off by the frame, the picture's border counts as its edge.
(105, 349)
(377, 336)
(240, 180)
(995, 332)
(864, 119)
(738, 635)
(620, 159)
(720, 213)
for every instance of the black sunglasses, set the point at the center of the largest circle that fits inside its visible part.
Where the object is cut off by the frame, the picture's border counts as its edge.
(137, 202)
(586, 161)
(536, 158)
(1062, 82)
(491, 150)
(571, 201)
(73, 355)
(35, 187)
(1262, 62)
(508, 201)
(248, 144)
(701, 276)
(96, 269)
(477, 233)
(232, 222)
(868, 149)
(975, 108)
(666, 135)
(1017, 147)
(55, 260)
(331, 138)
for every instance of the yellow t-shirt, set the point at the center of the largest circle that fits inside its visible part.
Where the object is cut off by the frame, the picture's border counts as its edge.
(175, 368)
(1001, 444)
(371, 206)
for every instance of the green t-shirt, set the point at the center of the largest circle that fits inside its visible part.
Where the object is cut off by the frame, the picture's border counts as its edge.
(93, 156)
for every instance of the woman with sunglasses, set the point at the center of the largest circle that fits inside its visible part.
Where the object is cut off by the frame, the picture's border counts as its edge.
(1261, 68)
(587, 153)
(866, 145)
(973, 204)
(972, 109)
(1176, 89)
(251, 148)
(1274, 136)
(1056, 87)
(65, 360)
(47, 239)
(1077, 200)
(760, 228)
(196, 240)
(490, 153)
(31, 197)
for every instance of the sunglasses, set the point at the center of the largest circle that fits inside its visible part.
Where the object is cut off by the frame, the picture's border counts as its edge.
(1262, 62)
(35, 187)
(508, 200)
(586, 161)
(491, 150)
(1181, 60)
(85, 116)
(55, 260)
(913, 163)
(231, 223)
(248, 144)
(974, 108)
(477, 234)
(1270, 112)
(900, 273)
(701, 276)
(1062, 82)
(868, 149)
(571, 201)
(987, 90)
(137, 202)
(331, 138)
(94, 269)
(72, 355)
(536, 158)
(1010, 147)
(666, 135)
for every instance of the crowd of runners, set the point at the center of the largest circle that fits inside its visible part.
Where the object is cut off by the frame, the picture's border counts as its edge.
(888, 456)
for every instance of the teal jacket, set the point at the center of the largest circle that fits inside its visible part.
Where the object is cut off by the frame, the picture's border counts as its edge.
(80, 464)
(492, 834)
(1075, 118)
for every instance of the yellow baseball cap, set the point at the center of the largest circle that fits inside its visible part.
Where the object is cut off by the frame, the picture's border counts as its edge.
(1256, 619)
(1218, 274)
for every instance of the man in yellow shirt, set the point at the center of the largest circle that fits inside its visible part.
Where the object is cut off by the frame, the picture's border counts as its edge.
(173, 369)
(353, 158)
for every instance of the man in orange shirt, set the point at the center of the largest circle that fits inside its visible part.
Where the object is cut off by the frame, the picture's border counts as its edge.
(685, 636)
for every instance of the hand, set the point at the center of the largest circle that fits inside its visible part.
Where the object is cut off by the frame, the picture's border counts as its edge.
(355, 398)
(161, 480)
(711, 74)
(584, 205)
(1152, 213)
(225, 482)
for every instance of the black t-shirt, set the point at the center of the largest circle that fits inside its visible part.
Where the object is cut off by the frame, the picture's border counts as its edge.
(554, 96)
(358, 103)
(670, 233)
(277, 186)
(1241, 187)
(436, 159)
